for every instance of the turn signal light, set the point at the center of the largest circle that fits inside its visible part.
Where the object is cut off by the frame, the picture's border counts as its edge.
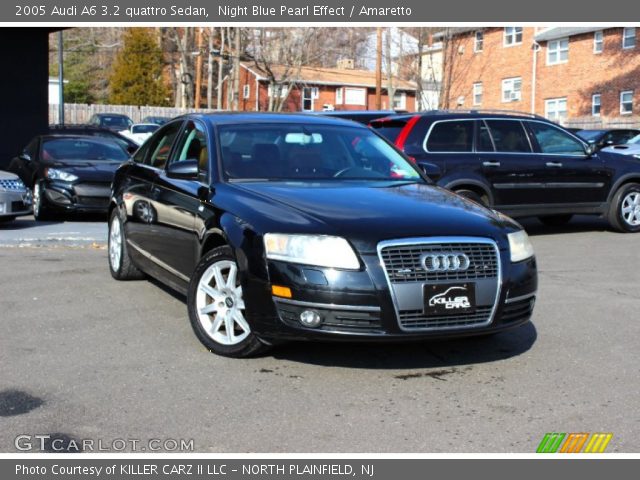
(278, 291)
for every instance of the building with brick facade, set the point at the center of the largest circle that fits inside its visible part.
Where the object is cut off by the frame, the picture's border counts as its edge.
(317, 88)
(579, 76)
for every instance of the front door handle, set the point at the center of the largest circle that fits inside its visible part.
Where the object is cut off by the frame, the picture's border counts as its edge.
(490, 164)
(554, 164)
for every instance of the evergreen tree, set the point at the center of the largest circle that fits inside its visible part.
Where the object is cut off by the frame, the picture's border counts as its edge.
(137, 71)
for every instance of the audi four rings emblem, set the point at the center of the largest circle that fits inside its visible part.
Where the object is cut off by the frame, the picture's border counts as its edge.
(445, 262)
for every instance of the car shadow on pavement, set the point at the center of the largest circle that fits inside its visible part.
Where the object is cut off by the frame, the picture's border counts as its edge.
(441, 354)
(578, 224)
(25, 223)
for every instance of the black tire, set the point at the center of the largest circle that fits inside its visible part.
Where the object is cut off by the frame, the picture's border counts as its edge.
(122, 269)
(482, 199)
(41, 210)
(7, 219)
(250, 345)
(555, 220)
(616, 216)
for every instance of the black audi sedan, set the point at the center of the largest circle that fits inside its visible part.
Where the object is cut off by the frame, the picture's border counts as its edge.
(283, 227)
(68, 173)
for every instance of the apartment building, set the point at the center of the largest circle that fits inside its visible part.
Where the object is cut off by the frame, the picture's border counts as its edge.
(578, 76)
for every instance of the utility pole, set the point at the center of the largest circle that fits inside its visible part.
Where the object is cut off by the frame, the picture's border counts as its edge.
(236, 72)
(60, 79)
(210, 68)
(198, 67)
(220, 70)
(390, 89)
(379, 68)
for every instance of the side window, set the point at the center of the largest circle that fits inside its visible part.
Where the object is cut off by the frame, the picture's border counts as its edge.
(451, 136)
(193, 145)
(158, 148)
(552, 140)
(485, 142)
(509, 136)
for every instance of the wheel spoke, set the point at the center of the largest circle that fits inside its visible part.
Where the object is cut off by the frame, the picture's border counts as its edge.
(209, 309)
(215, 326)
(231, 277)
(209, 290)
(239, 319)
(240, 304)
(217, 274)
(228, 325)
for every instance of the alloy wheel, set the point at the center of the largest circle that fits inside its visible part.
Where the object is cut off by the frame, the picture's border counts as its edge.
(36, 200)
(115, 244)
(630, 209)
(219, 304)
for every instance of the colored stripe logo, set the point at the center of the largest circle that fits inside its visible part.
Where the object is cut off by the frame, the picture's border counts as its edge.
(574, 443)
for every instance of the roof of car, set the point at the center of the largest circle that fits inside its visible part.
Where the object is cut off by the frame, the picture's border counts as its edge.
(220, 118)
(452, 114)
(92, 138)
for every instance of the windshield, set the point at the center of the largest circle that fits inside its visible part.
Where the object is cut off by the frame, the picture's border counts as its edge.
(635, 139)
(81, 149)
(318, 152)
(590, 134)
(115, 121)
(144, 128)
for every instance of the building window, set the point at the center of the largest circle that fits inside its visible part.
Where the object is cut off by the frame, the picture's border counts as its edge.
(598, 42)
(626, 102)
(315, 93)
(628, 37)
(355, 96)
(595, 104)
(477, 93)
(478, 42)
(283, 89)
(246, 91)
(511, 89)
(555, 109)
(399, 101)
(558, 51)
(512, 36)
(339, 96)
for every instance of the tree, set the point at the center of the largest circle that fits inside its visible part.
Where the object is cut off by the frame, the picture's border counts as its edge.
(137, 71)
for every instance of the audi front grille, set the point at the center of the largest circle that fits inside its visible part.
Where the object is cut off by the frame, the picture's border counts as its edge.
(407, 268)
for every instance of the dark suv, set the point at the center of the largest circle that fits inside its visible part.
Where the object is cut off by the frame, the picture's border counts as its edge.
(284, 227)
(520, 164)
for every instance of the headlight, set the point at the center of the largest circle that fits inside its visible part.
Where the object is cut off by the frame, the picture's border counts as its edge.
(55, 174)
(319, 250)
(520, 246)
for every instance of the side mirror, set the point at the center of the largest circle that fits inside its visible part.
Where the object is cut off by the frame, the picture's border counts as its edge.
(25, 156)
(185, 169)
(590, 149)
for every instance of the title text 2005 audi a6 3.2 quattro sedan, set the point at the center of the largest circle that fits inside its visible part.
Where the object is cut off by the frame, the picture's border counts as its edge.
(283, 227)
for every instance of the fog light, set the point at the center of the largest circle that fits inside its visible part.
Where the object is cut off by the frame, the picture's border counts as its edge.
(310, 318)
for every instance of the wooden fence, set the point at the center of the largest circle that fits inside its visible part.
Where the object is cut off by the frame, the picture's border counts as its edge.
(81, 113)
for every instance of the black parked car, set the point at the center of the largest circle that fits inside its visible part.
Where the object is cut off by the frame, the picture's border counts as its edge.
(304, 227)
(155, 119)
(522, 165)
(68, 173)
(607, 137)
(360, 116)
(91, 130)
(113, 121)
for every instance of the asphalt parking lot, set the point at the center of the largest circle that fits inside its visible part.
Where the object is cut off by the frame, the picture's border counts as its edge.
(85, 357)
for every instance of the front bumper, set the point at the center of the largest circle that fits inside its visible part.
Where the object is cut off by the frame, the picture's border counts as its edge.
(15, 203)
(359, 305)
(77, 197)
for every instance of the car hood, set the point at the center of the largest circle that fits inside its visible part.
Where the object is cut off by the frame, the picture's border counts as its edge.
(98, 171)
(628, 149)
(369, 212)
(7, 175)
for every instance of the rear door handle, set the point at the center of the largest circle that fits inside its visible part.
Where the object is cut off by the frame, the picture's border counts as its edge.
(490, 164)
(554, 164)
